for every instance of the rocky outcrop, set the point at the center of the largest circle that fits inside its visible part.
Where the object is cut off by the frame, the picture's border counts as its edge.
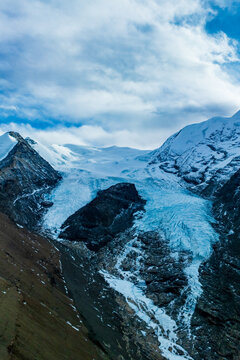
(109, 214)
(163, 275)
(25, 179)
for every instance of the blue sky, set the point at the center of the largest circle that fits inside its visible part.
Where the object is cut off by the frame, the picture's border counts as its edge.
(106, 72)
(226, 19)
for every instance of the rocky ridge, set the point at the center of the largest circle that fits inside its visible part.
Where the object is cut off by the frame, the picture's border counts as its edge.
(25, 180)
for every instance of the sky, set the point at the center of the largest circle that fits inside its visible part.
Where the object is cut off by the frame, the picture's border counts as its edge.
(108, 72)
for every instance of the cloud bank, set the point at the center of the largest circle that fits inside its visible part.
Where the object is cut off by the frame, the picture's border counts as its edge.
(130, 71)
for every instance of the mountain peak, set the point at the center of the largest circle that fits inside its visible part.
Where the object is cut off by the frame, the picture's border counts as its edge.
(15, 135)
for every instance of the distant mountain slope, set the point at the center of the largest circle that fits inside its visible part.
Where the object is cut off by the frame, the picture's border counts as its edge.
(204, 155)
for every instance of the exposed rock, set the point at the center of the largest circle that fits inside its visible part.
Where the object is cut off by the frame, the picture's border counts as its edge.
(30, 141)
(109, 214)
(25, 179)
(162, 273)
(47, 204)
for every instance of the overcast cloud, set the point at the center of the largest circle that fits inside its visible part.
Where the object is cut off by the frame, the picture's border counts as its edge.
(105, 72)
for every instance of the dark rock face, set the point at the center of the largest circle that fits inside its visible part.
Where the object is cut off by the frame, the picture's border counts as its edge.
(109, 214)
(227, 204)
(217, 314)
(25, 178)
(163, 275)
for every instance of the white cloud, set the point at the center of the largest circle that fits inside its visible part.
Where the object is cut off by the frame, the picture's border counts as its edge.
(131, 65)
(90, 136)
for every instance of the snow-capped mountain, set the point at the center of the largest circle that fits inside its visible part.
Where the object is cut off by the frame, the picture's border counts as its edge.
(142, 256)
(204, 155)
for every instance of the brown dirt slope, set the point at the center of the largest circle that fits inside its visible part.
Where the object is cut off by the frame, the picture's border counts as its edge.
(37, 319)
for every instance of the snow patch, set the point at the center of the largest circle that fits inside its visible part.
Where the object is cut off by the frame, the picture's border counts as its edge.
(74, 327)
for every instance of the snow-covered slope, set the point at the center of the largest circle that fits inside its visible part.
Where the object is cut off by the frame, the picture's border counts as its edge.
(7, 143)
(60, 157)
(204, 154)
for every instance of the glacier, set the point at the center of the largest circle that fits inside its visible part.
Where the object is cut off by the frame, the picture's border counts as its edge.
(182, 218)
